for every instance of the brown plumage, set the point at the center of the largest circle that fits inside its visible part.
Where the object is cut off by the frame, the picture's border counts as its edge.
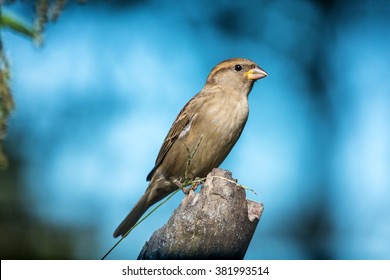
(208, 126)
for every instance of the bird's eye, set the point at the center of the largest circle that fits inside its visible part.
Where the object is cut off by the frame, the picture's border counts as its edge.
(238, 67)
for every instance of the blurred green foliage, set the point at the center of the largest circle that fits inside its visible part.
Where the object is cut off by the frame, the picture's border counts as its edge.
(44, 11)
(36, 239)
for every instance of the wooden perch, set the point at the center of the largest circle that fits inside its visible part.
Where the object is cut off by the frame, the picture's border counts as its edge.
(216, 223)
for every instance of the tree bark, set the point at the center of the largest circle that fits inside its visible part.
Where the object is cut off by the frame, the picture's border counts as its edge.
(216, 223)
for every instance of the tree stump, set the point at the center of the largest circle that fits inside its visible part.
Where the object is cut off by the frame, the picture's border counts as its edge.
(216, 223)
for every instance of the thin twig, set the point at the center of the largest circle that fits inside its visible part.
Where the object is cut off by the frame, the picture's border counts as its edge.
(186, 181)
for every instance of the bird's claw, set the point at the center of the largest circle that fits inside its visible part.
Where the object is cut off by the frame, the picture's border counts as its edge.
(190, 187)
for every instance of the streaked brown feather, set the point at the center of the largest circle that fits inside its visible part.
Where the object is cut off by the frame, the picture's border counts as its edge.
(182, 120)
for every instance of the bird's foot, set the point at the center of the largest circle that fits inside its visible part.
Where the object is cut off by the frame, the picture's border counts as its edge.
(194, 185)
(181, 186)
(198, 181)
(190, 186)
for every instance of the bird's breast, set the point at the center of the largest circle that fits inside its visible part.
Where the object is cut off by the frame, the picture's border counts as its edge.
(207, 139)
(227, 117)
(216, 130)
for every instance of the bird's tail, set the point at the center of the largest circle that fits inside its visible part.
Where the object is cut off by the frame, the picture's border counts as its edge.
(135, 214)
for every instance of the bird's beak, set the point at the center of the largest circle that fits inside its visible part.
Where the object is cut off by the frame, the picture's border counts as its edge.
(255, 74)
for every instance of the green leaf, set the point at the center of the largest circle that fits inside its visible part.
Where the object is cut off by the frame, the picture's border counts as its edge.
(7, 20)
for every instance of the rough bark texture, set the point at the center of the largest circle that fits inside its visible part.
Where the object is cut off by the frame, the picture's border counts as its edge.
(216, 223)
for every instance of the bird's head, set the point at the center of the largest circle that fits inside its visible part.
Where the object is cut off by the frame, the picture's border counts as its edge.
(236, 73)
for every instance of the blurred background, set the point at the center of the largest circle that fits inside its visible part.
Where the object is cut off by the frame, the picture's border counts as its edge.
(95, 102)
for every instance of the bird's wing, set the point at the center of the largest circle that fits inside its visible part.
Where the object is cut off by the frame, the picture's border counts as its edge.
(183, 119)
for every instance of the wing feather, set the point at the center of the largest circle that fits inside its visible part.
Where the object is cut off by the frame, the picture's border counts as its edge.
(182, 120)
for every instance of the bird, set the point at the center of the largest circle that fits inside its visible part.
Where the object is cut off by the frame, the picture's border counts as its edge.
(202, 135)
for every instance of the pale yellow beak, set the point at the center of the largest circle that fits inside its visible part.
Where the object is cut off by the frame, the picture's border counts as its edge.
(256, 73)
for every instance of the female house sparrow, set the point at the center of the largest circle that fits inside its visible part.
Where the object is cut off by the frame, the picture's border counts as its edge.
(202, 135)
